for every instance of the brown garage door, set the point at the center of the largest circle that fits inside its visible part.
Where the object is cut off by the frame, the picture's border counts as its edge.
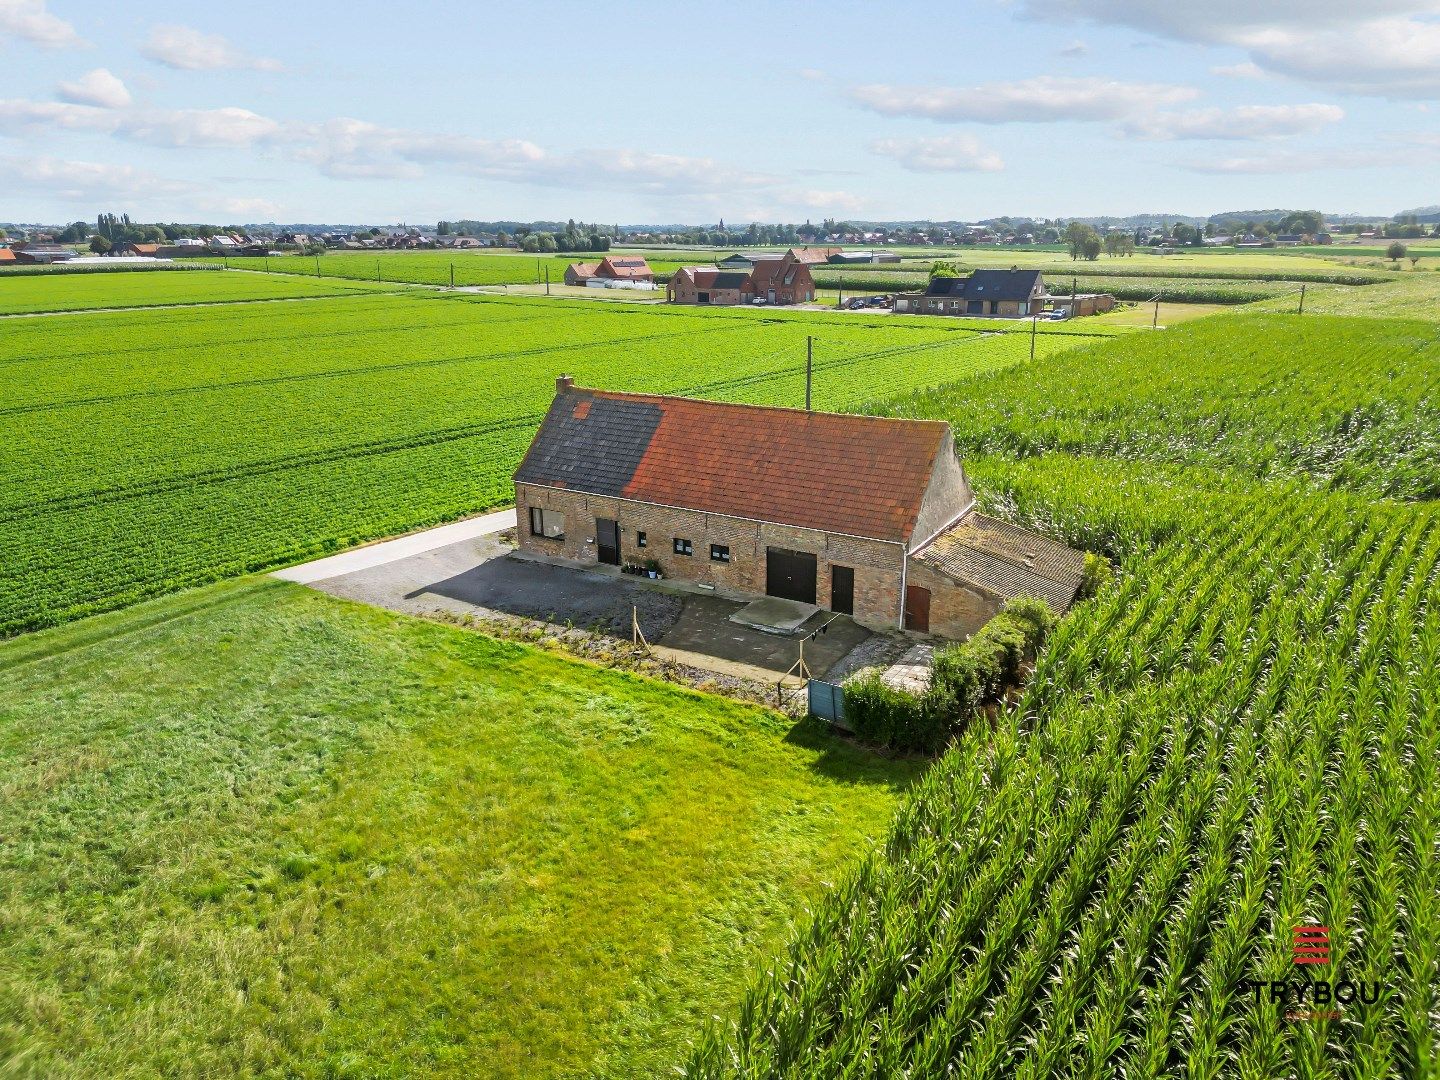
(790, 574)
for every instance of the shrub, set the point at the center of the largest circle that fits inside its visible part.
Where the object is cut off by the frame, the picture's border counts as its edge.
(964, 678)
(1096, 575)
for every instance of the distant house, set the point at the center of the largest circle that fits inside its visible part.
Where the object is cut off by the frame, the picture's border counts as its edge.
(866, 516)
(143, 251)
(1291, 239)
(1010, 293)
(612, 272)
(783, 280)
(580, 273)
(6, 255)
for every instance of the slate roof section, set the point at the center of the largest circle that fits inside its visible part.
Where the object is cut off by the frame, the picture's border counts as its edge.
(731, 279)
(857, 475)
(1006, 560)
(989, 285)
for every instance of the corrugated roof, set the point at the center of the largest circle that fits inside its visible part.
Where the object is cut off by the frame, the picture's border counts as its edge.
(858, 475)
(1006, 560)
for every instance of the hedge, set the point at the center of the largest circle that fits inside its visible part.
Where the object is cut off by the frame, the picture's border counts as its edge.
(964, 678)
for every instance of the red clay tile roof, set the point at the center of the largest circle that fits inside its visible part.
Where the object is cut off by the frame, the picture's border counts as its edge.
(813, 255)
(584, 269)
(624, 266)
(858, 475)
(6, 255)
(770, 273)
(702, 276)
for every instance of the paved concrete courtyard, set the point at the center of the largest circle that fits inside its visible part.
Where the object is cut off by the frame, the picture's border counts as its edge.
(478, 575)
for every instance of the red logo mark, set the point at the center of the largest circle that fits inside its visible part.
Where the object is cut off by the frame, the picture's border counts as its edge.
(1312, 945)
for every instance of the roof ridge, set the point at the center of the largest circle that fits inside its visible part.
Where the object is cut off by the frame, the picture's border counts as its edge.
(749, 405)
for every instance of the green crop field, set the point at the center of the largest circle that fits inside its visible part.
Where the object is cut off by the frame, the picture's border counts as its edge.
(256, 831)
(1240, 737)
(75, 292)
(147, 451)
(434, 267)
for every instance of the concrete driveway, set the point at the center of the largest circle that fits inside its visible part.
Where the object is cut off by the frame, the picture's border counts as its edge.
(479, 575)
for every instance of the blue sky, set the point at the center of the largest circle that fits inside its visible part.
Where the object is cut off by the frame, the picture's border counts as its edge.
(651, 113)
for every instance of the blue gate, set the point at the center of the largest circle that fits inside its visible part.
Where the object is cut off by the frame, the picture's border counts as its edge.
(827, 701)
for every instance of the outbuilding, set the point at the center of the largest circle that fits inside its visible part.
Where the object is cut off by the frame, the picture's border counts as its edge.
(867, 516)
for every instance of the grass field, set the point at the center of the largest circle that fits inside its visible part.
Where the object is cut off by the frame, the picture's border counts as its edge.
(147, 451)
(254, 830)
(434, 267)
(1240, 737)
(77, 292)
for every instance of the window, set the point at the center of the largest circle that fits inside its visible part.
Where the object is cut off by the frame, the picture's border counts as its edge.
(547, 523)
(682, 547)
(702, 298)
(640, 538)
(719, 553)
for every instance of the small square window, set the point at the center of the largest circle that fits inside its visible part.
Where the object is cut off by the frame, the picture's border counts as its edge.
(719, 553)
(640, 538)
(547, 523)
(682, 547)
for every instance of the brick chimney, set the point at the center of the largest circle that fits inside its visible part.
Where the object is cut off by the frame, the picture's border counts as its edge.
(563, 383)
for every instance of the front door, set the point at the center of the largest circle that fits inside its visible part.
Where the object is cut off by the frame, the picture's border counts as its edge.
(842, 589)
(917, 609)
(607, 538)
(790, 574)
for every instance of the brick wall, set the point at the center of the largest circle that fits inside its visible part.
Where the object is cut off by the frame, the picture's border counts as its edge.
(956, 611)
(877, 564)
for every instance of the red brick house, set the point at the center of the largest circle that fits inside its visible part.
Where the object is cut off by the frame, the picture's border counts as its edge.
(785, 280)
(613, 268)
(867, 516)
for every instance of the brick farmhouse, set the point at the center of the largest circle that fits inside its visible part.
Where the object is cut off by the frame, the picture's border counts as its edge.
(610, 271)
(867, 516)
(784, 280)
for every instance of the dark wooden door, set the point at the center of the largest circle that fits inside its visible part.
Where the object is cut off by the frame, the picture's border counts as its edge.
(842, 589)
(790, 574)
(917, 609)
(607, 536)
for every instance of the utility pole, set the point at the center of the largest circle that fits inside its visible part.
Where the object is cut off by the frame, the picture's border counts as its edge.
(1302, 301)
(547, 281)
(1034, 323)
(1155, 319)
(317, 265)
(452, 275)
(809, 367)
(377, 270)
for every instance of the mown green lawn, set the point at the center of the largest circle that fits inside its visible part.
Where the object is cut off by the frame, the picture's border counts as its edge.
(251, 830)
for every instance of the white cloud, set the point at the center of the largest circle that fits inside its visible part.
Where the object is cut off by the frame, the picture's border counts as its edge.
(30, 21)
(940, 153)
(187, 49)
(1246, 69)
(99, 88)
(1076, 48)
(1042, 98)
(1242, 123)
(19, 115)
(200, 127)
(1383, 48)
(87, 181)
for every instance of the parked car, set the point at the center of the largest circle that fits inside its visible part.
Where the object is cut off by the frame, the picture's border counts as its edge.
(856, 303)
(758, 301)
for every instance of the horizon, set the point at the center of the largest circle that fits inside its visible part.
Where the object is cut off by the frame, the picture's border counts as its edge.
(277, 114)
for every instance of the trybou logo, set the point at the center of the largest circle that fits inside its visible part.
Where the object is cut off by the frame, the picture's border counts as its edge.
(1310, 945)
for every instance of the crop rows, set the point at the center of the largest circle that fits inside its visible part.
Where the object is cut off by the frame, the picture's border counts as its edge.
(1242, 737)
(147, 451)
(1349, 403)
(435, 267)
(75, 292)
(1188, 290)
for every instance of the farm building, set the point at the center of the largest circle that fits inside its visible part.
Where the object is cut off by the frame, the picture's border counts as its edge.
(42, 253)
(612, 272)
(1084, 304)
(783, 280)
(866, 516)
(144, 251)
(1010, 293)
(746, 260)
(6, 255)
(815, 256)
(860, 258)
